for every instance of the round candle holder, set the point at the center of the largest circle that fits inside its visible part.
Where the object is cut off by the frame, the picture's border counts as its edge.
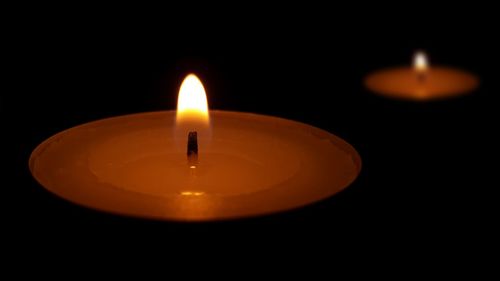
(250, 165)
(437, 83)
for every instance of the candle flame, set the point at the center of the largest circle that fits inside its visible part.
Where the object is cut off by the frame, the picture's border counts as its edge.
(420, 62)
(192, 101)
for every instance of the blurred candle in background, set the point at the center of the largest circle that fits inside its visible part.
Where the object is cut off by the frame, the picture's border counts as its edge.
(421, 82)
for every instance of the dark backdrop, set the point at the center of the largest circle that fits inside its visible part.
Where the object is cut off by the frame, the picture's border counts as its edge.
(424, 175)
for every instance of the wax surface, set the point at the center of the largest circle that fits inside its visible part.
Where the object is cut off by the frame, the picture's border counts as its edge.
(403, 83)
(250, 165)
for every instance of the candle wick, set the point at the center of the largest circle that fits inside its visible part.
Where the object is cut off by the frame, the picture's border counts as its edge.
(192, 149)
(421, 76)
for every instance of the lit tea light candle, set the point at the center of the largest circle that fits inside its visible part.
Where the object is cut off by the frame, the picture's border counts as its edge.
(193, 165)
(421, 82)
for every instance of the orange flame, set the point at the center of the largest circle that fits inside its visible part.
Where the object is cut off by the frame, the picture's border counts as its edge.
(192, 102)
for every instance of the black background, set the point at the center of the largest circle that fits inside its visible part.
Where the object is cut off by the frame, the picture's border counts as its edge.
(425, 165)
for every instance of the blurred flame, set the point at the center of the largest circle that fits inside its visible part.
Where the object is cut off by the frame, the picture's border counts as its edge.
(420, 62)
(192, 101)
